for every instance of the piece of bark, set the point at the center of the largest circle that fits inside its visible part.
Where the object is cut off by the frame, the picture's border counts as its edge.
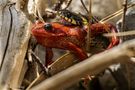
(14, 37)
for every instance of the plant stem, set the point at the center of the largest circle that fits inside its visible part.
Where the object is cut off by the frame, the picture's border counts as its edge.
(89, 31)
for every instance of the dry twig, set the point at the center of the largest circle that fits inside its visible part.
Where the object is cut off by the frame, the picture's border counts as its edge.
(123, 17)
(85, 6)
(89, 31)
(39, 62)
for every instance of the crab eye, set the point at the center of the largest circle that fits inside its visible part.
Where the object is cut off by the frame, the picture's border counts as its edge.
(48, 27)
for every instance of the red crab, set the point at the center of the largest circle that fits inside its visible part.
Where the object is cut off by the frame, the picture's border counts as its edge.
(72, 38)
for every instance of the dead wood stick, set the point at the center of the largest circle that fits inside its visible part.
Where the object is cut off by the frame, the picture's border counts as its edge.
(14, 37)
(91, 66)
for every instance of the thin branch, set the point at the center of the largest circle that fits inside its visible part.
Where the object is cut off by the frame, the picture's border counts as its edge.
(89, 31)
(84, 6)
(39, 62)
(68, 3)
(123, 16)
(91, 66)
(123, 27)
(88, 11)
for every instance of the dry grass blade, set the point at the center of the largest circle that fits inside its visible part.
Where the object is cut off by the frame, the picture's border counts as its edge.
(37, 80)
(117, 13)
(62, 63)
